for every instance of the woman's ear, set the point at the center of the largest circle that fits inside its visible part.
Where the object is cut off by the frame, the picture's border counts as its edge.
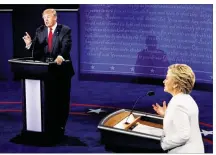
(175, 86)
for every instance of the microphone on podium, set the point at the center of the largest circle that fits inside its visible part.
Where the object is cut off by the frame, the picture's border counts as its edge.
(149, 93)
(35, 39)
(33, 47)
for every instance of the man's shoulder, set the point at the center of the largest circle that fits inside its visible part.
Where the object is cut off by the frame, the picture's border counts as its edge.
(40, 28)
(65, 27)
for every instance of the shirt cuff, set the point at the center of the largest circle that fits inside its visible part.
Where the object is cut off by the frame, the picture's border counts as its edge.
(28, 46)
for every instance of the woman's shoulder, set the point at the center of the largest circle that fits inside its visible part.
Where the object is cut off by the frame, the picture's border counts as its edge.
(184, 101)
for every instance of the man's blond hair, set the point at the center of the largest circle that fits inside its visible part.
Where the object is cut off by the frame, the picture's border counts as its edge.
(50, 11)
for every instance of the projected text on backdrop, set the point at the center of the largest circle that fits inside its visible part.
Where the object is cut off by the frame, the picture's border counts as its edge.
(143, 40)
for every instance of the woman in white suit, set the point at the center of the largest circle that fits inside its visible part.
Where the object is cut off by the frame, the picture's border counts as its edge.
(181, 116)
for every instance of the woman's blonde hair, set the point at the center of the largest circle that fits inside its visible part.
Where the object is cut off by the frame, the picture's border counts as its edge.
(184, 77)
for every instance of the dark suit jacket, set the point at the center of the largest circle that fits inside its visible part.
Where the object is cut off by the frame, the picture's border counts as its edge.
(61, 44)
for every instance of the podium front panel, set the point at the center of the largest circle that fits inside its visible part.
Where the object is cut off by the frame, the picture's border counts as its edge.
(33, 105)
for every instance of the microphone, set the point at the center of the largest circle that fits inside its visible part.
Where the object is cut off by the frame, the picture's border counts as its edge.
(35, 39)
(33, 46)
(149, 93)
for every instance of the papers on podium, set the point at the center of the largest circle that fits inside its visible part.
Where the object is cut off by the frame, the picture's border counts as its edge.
(121, 125)
(148, 130)
(141, 128)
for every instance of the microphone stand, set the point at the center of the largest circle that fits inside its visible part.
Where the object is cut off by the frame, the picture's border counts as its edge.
(33, 45)
(35, 40)
(150, 93)
(133, 108)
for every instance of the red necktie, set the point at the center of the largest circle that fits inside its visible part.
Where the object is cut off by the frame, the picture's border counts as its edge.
(50, 40)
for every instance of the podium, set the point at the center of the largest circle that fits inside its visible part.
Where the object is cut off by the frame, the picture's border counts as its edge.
(38, 116)
(140, 131)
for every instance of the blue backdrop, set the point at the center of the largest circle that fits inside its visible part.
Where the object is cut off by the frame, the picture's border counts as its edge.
(6, 44)
(142, 40)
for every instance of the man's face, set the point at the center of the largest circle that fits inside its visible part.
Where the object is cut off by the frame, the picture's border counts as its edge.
(49, 19)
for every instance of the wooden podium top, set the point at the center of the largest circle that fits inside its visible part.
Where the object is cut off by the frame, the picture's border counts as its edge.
(116, 119)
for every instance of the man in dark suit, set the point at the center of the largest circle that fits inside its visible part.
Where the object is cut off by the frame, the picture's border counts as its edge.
(52, 42)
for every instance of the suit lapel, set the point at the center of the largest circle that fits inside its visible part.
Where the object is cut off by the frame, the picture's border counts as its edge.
(55, 36)
(45, 35)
